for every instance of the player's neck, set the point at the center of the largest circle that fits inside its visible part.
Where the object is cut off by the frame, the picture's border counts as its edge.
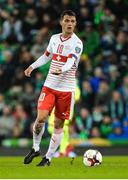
(66, 35)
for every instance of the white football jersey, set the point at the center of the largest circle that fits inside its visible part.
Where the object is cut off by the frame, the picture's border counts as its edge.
(61, 50)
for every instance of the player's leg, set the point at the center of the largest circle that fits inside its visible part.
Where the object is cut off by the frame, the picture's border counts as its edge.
(54, 142)
(65, 139)
(38, 130)
(39, 127)
(65, 148)
(56, 137)
(45, 106)
(63, 109)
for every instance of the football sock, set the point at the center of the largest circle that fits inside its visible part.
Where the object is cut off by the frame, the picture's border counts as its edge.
(37, 137)
(54, 142)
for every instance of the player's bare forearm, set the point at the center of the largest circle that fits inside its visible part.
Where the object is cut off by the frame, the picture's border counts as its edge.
(28, 71)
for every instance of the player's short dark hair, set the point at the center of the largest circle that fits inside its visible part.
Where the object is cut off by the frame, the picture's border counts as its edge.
(67, 12)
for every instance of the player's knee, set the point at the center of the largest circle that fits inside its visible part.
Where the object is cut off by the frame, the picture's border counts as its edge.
(37, 128)
(38, 125)
(58, 124)
(42, 118)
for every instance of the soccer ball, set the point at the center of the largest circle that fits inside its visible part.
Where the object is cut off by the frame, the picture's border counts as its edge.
(92, 158)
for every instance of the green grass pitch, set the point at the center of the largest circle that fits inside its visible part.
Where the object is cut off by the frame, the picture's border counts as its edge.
(113, 167)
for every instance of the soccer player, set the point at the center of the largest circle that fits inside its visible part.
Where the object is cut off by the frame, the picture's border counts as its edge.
(64, 51)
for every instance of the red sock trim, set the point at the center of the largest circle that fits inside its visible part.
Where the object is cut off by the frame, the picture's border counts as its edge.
(58, 131)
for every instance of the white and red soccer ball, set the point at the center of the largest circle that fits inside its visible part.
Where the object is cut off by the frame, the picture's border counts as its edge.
(92, 158)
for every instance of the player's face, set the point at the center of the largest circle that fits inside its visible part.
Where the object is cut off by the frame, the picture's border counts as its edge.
(68, 24)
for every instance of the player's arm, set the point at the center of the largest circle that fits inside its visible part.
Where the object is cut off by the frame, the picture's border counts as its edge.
(39, 62)
(72, 58)
(42, 60)
(68, 65)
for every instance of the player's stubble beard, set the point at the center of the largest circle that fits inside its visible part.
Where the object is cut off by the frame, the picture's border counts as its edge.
(67, 33)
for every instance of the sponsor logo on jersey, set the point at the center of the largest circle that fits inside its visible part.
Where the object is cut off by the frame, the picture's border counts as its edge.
(67, 47)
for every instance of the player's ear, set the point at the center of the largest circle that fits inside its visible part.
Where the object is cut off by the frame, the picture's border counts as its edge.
(61, 22)
(76, 22)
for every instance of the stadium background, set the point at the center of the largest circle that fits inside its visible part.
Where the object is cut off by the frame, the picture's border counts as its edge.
(101, 110)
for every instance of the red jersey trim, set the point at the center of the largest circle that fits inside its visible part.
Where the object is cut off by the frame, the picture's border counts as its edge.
(65, 38)
(72, 55)
(46, 53)
(59, 58)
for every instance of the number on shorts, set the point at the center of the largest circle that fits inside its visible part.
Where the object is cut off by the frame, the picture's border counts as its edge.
(42, 95)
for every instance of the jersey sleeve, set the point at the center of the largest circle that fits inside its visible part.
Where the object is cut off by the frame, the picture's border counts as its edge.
(76, 51)
(73, 57)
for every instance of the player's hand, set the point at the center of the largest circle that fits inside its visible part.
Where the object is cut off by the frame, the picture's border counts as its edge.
(28, 71)
(56, 72)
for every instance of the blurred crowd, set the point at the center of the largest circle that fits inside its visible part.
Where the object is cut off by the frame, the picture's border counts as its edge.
(102, 77)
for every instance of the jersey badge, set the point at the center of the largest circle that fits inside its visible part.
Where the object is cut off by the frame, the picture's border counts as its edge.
(77, 49)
